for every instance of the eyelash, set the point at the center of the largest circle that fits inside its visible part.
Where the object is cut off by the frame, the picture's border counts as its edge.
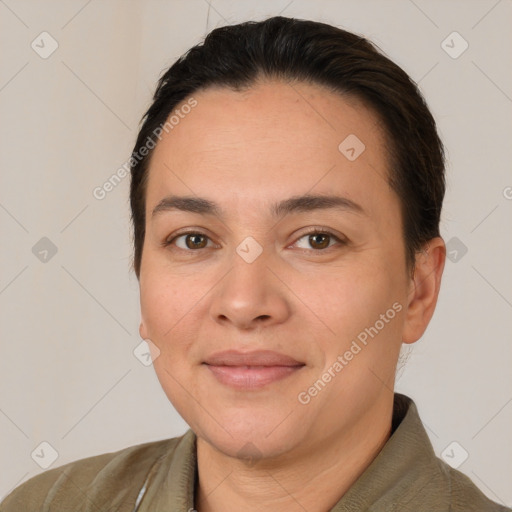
(312, 231)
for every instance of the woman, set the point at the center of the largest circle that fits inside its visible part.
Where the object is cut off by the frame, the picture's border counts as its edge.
(287, 185)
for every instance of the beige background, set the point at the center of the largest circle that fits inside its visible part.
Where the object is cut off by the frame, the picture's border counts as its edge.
(69, 324)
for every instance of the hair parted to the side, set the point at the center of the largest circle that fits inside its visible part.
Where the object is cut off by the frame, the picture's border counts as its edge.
(237, 56)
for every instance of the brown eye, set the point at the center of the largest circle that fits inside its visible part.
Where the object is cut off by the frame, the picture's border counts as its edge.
(189, 241)
(195, 241)
(319, 240)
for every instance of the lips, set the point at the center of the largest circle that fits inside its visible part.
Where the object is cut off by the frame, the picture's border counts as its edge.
(251, 370)
(255, 358)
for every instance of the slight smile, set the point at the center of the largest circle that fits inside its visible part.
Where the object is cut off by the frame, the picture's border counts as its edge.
(251, 370)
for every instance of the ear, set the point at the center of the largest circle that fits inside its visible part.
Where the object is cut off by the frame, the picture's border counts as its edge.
(143, 331)
(424, 289)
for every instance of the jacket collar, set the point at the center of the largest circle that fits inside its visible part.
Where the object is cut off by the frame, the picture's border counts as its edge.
(404, 475)
(171, 483)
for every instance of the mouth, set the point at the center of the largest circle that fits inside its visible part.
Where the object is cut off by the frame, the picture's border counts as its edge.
(251, 370)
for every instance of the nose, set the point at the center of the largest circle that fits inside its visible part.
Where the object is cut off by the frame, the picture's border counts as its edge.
(250, 296)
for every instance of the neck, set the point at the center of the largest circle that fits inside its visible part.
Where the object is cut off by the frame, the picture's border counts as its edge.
(315, 480)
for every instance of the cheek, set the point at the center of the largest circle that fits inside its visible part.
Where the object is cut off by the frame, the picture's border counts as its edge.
(365, 311)
(167, 309)
(364, 307)
(353, 299)
(174, 306)
(166, 299)
(159, 306)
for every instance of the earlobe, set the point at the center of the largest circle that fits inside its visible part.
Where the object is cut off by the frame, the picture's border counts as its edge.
(143, 332)
(424, 289)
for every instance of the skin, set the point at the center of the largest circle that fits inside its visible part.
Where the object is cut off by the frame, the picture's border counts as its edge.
(245, 151)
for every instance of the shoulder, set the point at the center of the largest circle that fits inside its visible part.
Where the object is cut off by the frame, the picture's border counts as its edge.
(435, 484)
(465, 495)
(111, 479)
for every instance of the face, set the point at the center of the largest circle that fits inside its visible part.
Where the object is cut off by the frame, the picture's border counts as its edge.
(248, 263)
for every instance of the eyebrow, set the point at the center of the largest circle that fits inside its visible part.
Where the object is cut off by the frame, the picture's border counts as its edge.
(296, 204)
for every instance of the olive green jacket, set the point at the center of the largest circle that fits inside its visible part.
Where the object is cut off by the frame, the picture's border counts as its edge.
(161, 476)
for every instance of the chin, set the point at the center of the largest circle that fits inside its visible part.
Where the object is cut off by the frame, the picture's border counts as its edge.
(250, 437)
(252, 446)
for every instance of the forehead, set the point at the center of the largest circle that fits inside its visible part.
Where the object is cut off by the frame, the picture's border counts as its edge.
(274, 139)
